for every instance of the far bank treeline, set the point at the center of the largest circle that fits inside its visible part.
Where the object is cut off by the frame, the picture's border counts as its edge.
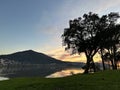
(93, 34)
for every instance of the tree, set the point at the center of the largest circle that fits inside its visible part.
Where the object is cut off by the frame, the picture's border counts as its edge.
(118, 57)
(110, 32)
(89, 34)
(81, 37)
(115, 35)
(103, 24)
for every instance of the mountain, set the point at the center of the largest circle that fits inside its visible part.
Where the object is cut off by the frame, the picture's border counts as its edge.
(28, 57)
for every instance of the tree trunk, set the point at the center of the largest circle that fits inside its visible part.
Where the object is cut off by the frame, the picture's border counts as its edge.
(109, 65)
(115, 65)
(114, 57)
(103, 64)
(87, 67)
(93, 66)
(112, 64)
(89, 59)
(102, 60)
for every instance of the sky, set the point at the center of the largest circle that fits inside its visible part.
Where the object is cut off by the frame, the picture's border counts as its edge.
(39, 24)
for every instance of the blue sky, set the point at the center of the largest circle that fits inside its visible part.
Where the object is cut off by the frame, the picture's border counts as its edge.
(38, 24)
(19, 21)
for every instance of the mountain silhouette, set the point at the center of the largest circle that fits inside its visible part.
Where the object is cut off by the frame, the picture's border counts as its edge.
(30, 57)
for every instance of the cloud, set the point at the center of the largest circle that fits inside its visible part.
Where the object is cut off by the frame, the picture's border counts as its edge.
(72, 9)
(107, 5)
(55, 23)
(60, 54)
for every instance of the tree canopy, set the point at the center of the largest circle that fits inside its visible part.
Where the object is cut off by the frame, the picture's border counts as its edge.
(90, 33)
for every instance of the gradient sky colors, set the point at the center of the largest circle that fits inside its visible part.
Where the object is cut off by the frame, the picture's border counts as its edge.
(38, 24)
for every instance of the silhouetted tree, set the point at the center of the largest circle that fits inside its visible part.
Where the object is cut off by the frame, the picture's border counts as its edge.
(81, 37)
(118, 58)
(111, 43)
(89, 34)
(102, 52)
(102, 26)
(115, 35)
(110, 32)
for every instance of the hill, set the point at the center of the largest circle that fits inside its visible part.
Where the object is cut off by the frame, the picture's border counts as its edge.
(30, 63)
(107, 80)
(28, 57)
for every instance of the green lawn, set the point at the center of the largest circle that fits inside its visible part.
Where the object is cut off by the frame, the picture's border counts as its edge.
(106, 80)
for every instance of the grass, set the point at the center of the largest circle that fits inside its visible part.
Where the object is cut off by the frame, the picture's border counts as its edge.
(105, 80)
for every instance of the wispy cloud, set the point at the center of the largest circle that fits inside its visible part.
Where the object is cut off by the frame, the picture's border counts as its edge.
(60, 54)
(55, 22)
(105, 5)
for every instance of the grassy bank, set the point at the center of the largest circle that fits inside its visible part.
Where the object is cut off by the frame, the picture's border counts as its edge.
(107, 80)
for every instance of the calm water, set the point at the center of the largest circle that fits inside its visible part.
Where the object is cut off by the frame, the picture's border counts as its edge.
(66, 72)
(36, 71)
(3, 78)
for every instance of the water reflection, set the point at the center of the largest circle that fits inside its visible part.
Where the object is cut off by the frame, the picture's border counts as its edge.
(66, 72)
(3, 78)
(38, 71)
(26, 71)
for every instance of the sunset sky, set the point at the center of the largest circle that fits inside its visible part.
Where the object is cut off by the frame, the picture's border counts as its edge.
(39, 24)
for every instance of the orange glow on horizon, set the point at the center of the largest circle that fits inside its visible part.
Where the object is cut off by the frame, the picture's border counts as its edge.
(61, 54)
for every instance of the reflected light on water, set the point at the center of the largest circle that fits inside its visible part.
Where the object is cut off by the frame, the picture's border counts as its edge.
(64, 73)
(3, 78)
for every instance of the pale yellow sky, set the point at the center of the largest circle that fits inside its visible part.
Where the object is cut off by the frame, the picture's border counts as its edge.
(63, 55)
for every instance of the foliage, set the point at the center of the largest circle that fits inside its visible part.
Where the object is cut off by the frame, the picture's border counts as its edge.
(92, 33)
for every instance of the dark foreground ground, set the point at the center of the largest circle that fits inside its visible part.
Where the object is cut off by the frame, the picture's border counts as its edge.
(106, 80)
